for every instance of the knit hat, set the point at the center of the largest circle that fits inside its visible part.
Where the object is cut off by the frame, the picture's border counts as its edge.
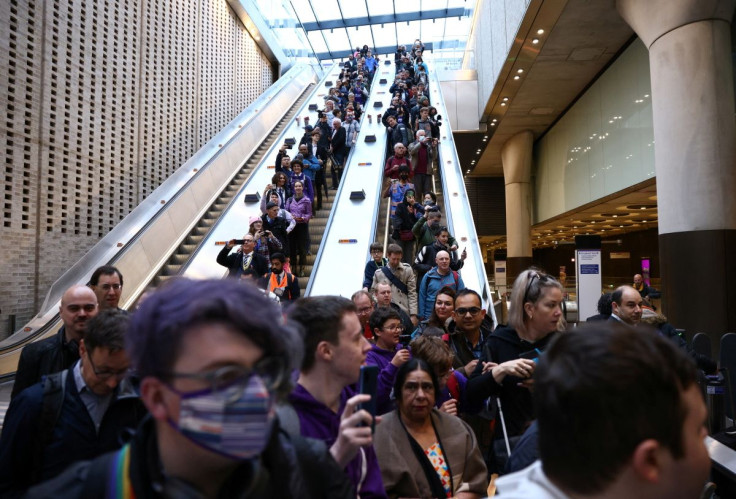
(253, 219)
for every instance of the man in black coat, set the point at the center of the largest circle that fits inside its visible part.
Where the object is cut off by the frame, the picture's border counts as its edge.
(60, 351)
(244, 259)
(338, 150)
(277, 225)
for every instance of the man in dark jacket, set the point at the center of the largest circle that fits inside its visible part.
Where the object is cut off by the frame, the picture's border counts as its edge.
(425, 259)
(277, 225)
(339, 150)
(213, 358)
(95, 412)
(244, 259)
(58, 352)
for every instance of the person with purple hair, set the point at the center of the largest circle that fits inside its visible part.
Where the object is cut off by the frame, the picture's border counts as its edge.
(213, 358)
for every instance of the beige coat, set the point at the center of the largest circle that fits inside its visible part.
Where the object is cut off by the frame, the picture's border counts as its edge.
(405, 274)
(401, 472)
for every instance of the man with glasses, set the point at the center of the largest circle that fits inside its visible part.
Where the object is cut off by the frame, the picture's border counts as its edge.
(107, 283)
(73, 415)
(244, 259)
(213, 358)
(469, 331)
(388, 353)
(60, 351)
(364, 303)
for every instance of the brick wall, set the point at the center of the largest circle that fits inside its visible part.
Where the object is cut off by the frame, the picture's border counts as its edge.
(103, 100)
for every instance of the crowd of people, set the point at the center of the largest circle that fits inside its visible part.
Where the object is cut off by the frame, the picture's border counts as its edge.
(212, 389)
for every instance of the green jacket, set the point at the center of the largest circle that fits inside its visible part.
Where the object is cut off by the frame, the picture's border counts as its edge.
(426, 236)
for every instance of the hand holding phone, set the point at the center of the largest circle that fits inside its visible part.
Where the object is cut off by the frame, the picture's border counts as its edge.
(368, 385)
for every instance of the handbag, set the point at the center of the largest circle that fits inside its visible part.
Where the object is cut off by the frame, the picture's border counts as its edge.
(406, 235)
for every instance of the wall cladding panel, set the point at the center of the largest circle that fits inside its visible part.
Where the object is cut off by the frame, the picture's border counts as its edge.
(103, 101)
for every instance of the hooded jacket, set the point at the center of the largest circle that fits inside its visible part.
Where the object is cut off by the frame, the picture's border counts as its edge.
(501, 346)
(316, 420)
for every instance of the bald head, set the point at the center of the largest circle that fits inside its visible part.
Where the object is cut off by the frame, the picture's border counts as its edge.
(383, 294)
(78, 305)
(626, 305)
(443, 261)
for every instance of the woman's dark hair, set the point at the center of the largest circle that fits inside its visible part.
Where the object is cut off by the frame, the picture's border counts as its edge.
(433, 319)
(409, 367)
(604, 304)
(277, 176)
(432, 195)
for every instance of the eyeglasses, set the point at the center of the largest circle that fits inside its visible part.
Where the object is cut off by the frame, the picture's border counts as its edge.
(106, 374)
(413, 387)
(365, 310)
(473, 311)
(232, 379)
(108, 287)
(393, 328)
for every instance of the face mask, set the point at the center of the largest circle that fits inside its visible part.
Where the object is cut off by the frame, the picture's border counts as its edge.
(427, 202)
(236, 425)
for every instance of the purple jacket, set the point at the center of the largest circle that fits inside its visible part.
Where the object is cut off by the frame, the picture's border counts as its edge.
(386, 377)
(300, 208)
(316, 420)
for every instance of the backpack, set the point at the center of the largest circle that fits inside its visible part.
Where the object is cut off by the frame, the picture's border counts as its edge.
(54, 390)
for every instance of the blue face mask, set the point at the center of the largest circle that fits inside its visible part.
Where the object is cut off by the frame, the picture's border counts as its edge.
(235, 421)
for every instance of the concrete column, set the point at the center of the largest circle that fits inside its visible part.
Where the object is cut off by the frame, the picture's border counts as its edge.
(695, 156)
(516, 156)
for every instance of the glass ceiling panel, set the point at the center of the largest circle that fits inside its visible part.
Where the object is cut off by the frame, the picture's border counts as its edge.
(361, 36)
(353, 8)
(336, 39)
(448, 36)
(326, 9)
(303, 10)
(383, 7)
(318, 43)
(385, 36)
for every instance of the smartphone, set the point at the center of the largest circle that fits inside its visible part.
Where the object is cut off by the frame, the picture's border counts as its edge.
(531, 355)
(368, 385)
(239, 241)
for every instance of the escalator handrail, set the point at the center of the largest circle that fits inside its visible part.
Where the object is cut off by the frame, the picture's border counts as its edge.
(457, 206)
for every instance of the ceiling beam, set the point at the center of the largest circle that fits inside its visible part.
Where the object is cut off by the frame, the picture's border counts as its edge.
(387, 18)
(428, 46)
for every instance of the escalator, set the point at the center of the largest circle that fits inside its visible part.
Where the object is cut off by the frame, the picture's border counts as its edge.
(153, 241)
(362, 214)
(185, 250)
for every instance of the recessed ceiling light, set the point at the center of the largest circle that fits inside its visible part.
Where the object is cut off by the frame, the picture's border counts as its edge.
(535, 41)
(505, 99)
(495, 120)
(519, 70)
(493, 124)
(517, 77)
(503, 103)
(540, 31)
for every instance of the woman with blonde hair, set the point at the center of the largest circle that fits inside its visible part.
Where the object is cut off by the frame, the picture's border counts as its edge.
(509, 354)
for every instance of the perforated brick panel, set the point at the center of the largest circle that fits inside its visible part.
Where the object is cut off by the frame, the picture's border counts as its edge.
(103, 101)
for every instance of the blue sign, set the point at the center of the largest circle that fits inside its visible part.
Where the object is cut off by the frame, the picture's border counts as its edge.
(589, 269)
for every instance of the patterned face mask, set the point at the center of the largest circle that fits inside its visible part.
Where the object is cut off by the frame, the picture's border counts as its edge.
(235, 421)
